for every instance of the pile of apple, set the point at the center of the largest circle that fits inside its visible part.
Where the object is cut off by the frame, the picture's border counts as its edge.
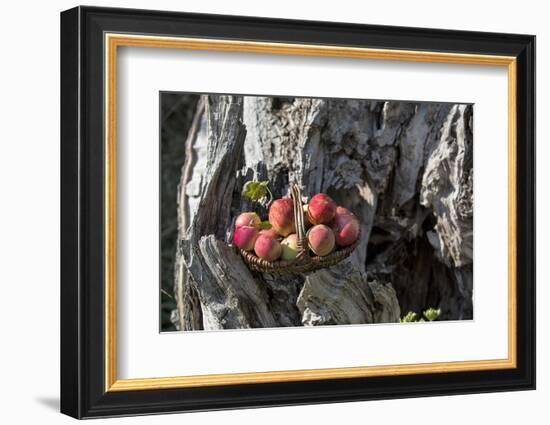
(330, 227)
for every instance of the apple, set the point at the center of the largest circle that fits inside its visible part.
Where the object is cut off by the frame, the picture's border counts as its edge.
(245, 237)
(345, 226)
(248, 219)
(321, 239)
(290, 247)
(281, 216)
(270, 232)
(321, 209)
(268, 248)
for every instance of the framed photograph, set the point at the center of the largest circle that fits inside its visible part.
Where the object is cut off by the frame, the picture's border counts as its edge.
(261, 212)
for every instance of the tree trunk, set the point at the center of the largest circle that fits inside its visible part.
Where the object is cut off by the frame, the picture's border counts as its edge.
(405, 169)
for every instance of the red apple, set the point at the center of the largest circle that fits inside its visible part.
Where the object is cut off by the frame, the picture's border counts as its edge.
(244, 237)
(345, 226)
(281, 216)
(321, 209)
(268, 248)
(248, 219)
(290, 247)
(321, 239)
(270, 232)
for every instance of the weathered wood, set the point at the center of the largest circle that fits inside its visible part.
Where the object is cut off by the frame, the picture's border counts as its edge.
(315, 142)
(229, 296)
(424, 244)
(405, 169)
(343, 295)
(447, 189)
(188, 307)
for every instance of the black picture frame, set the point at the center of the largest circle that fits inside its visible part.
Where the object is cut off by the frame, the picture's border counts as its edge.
(83, 392)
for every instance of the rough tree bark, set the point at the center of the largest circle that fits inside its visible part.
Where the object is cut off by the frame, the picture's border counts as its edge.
(405, 169)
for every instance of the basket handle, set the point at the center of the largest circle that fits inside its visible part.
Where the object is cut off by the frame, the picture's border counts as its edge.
(299, 218)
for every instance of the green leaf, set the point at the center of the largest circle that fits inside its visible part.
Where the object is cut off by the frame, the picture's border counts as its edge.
(255, 190)
(432, 314)
(409, 317)
(265, 225)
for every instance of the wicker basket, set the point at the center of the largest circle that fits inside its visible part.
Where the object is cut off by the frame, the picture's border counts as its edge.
(304, 262)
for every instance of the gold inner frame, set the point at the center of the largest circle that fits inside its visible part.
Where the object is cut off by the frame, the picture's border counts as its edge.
(113, 41)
